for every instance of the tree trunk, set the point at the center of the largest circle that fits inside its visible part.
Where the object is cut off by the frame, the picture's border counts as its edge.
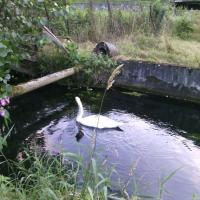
(92, 31)
(110, 17)
(43, 81)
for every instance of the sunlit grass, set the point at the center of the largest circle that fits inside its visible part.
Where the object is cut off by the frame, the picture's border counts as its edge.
(177, 42)
(162, 49)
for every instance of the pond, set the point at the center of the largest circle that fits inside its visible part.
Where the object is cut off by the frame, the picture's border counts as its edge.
(160, 135)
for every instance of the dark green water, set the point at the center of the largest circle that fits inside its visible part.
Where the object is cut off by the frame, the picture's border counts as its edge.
(159, 134)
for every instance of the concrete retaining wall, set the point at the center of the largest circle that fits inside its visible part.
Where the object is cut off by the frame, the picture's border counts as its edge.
(162, 79)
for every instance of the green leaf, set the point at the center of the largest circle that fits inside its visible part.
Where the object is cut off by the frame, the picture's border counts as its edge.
(105, 180)
(2, 46)
(1, 64)
(105, 192)
(91, 193)
(3, 53)
(94, 167)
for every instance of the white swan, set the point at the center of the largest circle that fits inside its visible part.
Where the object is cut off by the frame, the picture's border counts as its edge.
(94, 120)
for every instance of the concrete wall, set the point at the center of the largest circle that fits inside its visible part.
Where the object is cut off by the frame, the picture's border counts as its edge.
(167, 80)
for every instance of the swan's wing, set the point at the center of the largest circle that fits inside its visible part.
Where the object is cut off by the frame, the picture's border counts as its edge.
(90, 121)
(103, 122)
(106, 122)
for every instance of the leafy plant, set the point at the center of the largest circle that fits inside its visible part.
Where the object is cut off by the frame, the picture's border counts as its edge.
(157, 13)
(183, 27)
(52, 60)
(6, 58)
(43, 176)
(3, 139)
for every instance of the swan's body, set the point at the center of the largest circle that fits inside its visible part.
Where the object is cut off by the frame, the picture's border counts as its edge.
(96, 121)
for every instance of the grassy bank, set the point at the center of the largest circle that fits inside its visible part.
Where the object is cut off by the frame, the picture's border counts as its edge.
(39, 176)
(162, 49)
(65, 176)
(53, 177)
(155, 34)
(113, 1)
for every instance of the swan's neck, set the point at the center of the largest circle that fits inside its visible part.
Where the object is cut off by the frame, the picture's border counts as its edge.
(80, 111)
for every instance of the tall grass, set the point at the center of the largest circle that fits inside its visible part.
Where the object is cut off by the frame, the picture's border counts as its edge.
(43, 176)
(149, 19)
(153, 33)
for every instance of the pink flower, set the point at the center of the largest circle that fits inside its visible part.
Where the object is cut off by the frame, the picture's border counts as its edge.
(5, 101)
(2, 112)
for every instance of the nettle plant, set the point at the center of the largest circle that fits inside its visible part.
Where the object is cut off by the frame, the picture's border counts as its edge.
(20, 38)
(6, 59)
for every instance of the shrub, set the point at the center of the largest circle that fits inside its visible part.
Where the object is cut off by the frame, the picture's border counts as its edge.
(183, 27)
(157, 14)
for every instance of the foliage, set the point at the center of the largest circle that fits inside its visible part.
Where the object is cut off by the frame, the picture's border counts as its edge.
(20, 29)
(3, 139)
(39, 175)
(52, 59)
(158, 49)
(183, 27)
(157, 12)
(6, 58)
(42, 176)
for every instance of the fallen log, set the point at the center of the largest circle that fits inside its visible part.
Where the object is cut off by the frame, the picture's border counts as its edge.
(43, 81)
(48, 79)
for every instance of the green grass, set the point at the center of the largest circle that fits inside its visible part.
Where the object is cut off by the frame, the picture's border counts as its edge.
(112, 1)
(135, 40)
(41, 176)
(162, 49)
(177, 41)
(38, 176)
(54, 177)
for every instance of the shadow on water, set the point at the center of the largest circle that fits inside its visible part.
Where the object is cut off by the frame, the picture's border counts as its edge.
(158, 130)
(179, 115)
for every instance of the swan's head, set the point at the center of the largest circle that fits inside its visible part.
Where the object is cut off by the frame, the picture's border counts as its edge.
(78, 101)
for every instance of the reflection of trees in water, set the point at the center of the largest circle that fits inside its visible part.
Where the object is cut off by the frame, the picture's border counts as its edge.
(180, 116)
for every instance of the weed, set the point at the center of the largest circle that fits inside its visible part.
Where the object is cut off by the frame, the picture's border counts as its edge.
(183, 27)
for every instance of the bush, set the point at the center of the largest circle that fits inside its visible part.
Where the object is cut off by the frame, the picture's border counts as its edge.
(183, 27)
(157, 14)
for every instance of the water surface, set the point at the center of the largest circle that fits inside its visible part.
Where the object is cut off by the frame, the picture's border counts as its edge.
(159, 135)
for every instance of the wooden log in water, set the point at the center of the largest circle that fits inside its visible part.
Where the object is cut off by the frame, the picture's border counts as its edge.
(43, 81)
